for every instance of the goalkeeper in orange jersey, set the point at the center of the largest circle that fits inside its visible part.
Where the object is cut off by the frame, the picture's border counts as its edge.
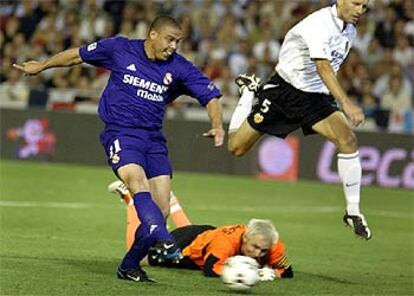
(207, 248)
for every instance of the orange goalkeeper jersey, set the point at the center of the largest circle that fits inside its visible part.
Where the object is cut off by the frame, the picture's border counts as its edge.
(224, 242)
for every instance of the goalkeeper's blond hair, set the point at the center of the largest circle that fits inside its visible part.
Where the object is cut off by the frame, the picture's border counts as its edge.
(264, 228)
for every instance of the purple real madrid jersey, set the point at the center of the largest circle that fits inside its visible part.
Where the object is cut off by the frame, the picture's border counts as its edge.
(138, 88)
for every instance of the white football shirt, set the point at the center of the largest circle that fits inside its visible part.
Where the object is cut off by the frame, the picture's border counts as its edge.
(321, 35)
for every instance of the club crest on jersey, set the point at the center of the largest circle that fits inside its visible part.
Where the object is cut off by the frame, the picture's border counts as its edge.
(258, 118)
(167, 78)
(115, 158)
(92, 46)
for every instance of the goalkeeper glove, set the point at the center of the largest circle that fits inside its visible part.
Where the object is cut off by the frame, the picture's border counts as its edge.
(266, 274)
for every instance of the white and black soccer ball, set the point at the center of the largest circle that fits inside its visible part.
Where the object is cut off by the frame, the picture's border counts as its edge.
(240, 273)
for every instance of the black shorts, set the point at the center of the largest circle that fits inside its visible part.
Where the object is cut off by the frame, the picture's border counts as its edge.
(281, 109)
(184, 236)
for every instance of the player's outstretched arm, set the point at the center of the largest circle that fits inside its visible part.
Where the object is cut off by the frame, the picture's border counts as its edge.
(215, 114)
(65, 58)
(328, 76)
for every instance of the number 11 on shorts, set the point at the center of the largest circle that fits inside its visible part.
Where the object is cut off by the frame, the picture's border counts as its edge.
(114, 148)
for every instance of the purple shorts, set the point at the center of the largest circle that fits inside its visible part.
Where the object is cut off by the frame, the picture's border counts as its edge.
(143, 147)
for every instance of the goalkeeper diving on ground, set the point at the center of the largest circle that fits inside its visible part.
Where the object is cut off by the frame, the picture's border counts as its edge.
(206, 248)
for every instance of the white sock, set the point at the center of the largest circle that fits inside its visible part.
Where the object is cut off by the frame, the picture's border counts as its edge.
(243, 109)
(350, 172)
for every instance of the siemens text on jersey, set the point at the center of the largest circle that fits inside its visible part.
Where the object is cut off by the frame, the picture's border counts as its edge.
(145, 86)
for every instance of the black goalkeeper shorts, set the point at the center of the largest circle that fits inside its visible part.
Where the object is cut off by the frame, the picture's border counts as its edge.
(184, 236)
(282, 108)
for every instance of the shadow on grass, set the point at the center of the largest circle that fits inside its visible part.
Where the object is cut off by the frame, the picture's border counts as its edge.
(108, 266)
(324, 277)
(253, 291)
(97, 266)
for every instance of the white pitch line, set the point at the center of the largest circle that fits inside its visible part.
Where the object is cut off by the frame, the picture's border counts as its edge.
(300, 210)
(37, 204)
(244, 209)
(269, 209)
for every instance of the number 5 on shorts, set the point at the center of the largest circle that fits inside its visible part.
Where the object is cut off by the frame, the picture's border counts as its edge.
(265, 106)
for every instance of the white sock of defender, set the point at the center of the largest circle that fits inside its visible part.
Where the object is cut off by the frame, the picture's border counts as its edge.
(350, 172)
(243, 109)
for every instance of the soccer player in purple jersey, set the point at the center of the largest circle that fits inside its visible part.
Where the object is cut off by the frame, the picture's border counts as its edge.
(146, 75)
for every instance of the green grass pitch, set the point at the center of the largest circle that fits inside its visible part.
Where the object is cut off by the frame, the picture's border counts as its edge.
(63, 234)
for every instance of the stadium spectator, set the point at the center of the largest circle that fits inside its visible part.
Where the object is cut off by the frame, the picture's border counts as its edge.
(216, 57)
(404, 53)
(228, 88)
(304, 92)
(373, 54)
(396, 101)
(59, 24)
(393, 70)
(384, 30)
(145, 76)
(266, 52)
(369, 102)
(207, 248)
(11, 28)
(38, 95)
(363, 39)
(238, 59)
(14, 88)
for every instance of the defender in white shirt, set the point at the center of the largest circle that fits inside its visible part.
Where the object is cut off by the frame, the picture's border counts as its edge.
(304, 93)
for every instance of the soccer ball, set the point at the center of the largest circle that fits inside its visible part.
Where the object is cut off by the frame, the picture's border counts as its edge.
(240, 273)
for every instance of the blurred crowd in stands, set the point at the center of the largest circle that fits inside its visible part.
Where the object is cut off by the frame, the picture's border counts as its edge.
(223, 37)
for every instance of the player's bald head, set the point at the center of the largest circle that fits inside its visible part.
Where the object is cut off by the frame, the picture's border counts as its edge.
(163, 21)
